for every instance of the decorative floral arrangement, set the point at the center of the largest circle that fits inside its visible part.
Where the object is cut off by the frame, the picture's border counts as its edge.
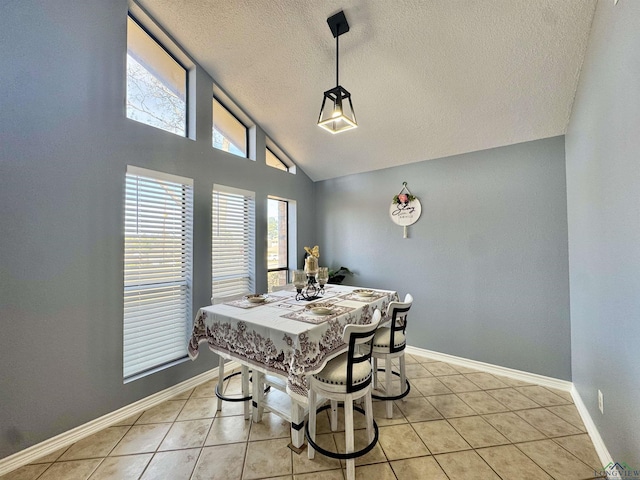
(311, 262)
(314, 252)
(403, 198)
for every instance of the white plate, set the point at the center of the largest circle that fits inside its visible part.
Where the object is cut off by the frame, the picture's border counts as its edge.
(255, 298)
(364, 293)
(319, 309)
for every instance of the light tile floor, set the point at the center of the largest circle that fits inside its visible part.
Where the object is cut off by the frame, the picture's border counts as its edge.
(455, 424)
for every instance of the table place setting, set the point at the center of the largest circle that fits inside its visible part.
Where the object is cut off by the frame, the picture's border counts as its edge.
(320, 308)
(319, 312)
(252, 300)
(364, 295)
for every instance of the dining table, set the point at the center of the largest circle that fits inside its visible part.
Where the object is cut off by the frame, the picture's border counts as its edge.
(285, 338)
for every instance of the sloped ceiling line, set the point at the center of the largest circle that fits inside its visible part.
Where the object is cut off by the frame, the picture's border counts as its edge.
(428, 79)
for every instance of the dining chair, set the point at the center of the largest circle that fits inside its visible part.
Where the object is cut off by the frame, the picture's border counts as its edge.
(346, 378)
(244, 372)
(389, 343)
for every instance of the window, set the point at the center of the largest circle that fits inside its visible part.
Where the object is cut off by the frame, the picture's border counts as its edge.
(156, 83)
(275, 162)
(277, 158)
(157, 269)
(277, 242)
(229, 133)
(233, 239)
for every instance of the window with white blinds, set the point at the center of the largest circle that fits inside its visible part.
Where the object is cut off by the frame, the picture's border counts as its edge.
(233, 241)
(157, 269)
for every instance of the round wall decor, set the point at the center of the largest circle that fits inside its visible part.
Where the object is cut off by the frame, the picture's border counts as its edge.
(405, 208)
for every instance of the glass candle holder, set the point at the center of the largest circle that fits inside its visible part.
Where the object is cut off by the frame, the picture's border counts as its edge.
(299, 279)
(323, 275)
(311, 265)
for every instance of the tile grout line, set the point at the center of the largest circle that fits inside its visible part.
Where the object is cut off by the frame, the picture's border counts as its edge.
(529, 395)
(112, 448)
(195, 465)
(201, 448)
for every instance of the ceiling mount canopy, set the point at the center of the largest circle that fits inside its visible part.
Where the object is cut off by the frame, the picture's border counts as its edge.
(337, 115)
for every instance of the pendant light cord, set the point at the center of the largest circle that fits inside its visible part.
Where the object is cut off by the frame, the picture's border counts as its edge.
(337, 54)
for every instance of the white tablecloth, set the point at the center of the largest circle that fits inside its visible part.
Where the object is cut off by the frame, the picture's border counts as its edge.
(283, 337)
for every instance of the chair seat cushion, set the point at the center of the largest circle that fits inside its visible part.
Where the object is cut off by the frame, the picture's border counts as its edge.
(382, 339)
(335, 371)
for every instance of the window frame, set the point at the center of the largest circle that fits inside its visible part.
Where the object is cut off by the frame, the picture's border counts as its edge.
(134, 306)
(286, 268)
(156, 40)
(282, 157)
(249, 237)
(286, 167)
(230, 112)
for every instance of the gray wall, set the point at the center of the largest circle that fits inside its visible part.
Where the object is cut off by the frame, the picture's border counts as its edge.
(603, 196)
(486, 262)
(64, 147)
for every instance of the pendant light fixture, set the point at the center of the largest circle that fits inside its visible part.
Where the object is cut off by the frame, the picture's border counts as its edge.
(336, 114)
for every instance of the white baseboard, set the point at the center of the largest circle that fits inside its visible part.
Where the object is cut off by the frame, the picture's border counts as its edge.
(28, 455)
(496, 369)
(69, 437)
(598, 443)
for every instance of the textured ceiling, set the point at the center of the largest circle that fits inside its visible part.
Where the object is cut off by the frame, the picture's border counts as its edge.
(428, 78)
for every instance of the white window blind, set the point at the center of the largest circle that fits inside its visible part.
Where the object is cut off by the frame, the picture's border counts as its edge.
(233, 240)
(157, 269)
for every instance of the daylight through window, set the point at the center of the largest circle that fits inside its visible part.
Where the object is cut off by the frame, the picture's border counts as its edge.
(158, 241)
(277, 242)
(156, 83)
(233, 241)
(229, 133)
(274, 161)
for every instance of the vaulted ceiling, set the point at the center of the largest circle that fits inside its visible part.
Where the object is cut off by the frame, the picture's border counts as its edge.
(428, 78)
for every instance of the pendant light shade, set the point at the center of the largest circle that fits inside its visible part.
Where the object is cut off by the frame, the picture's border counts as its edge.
(337, 114)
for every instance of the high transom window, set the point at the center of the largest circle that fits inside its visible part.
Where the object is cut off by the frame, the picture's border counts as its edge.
(229, 133)
(273, 161)
(156, 83)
